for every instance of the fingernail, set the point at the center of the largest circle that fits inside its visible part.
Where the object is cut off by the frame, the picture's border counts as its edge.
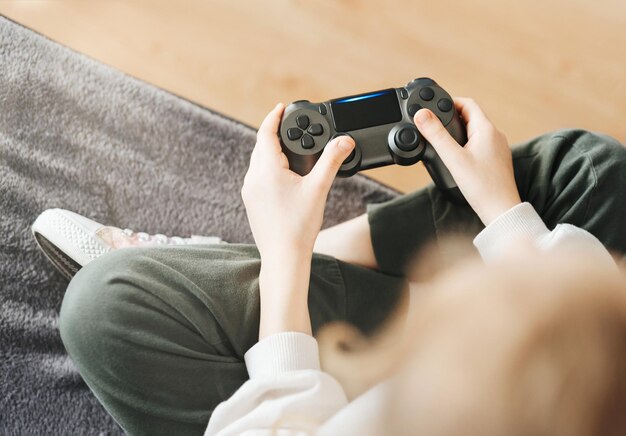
(278, 105)
(345, 145)
(422, 116)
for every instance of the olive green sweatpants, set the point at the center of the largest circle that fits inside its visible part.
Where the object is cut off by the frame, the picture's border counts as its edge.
(159, 333)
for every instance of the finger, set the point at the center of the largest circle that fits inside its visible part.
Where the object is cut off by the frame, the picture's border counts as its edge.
(335, 152)
(470, 110)
(431, 128)
(267, 135)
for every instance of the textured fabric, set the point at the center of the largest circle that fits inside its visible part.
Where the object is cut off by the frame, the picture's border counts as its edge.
(160, 333)
(523, 222)
(519, 221)
(78, 135)
(569, 176)
(282, 352)
(286, 385)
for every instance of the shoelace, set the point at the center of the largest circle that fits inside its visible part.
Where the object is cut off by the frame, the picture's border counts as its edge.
(157, 238)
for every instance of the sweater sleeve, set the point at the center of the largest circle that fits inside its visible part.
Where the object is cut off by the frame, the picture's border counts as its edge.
(523, 222)
(286, 391)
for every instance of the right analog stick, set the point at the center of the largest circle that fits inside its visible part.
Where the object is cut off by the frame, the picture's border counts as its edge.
(407, 138)
(350, 157)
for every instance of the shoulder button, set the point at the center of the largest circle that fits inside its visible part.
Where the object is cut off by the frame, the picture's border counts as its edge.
(424, 81)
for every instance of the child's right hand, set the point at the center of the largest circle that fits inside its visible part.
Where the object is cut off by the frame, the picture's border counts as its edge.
(483, 169)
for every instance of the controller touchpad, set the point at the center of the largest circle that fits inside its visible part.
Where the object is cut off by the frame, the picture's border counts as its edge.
(366, 110)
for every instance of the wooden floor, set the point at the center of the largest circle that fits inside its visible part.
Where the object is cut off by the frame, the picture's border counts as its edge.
(533, 65)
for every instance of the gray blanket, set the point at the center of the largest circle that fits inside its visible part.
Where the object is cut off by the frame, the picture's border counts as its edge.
(78, 135)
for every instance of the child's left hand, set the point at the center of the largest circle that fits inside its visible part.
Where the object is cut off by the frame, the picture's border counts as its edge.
(285, 210)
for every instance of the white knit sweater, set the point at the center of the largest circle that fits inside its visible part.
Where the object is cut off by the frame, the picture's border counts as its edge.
(288, 393)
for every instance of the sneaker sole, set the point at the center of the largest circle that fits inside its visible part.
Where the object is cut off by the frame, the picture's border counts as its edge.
(67, 242)
(65, 264)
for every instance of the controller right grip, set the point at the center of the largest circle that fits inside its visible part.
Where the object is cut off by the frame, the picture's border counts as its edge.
(456, 128)
(438, 170)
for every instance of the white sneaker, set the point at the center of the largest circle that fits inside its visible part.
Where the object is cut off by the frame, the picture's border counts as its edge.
(71, 241)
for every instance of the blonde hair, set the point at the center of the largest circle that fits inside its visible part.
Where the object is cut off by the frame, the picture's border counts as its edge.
(535, 345)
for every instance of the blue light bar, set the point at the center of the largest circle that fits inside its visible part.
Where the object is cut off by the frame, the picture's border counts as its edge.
(361, 97)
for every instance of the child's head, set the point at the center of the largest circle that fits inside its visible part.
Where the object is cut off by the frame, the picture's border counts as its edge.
(533, 345)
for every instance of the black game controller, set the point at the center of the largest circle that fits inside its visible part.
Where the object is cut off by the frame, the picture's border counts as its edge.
(381, 124)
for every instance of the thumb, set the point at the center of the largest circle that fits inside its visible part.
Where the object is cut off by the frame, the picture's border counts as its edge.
(444, 144)
(335, 152)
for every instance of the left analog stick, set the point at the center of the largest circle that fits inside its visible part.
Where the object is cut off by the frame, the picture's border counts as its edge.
(350, 157)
